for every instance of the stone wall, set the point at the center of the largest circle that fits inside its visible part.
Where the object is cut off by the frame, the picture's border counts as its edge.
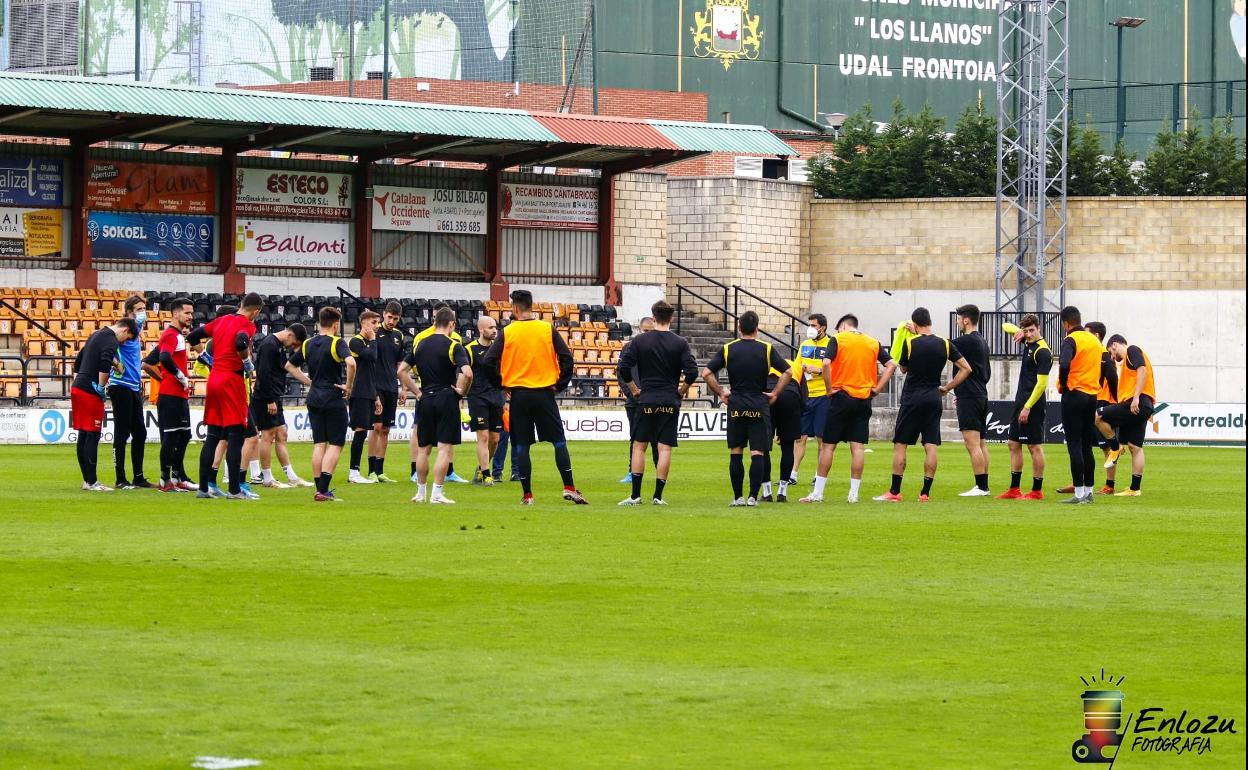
(746, 232)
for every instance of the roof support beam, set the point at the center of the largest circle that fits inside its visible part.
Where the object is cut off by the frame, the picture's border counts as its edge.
(547, 153)
(655, 159)
(127, 128)
(297, 139)
(15, 113)
(414, 147)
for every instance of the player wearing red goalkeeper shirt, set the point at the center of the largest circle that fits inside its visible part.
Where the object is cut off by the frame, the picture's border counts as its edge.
(225, 406)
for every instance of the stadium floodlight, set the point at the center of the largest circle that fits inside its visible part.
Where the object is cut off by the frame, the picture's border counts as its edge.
(1127, 21)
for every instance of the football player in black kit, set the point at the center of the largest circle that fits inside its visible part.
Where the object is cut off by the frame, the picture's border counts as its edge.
(661, 358)
(749, 404)
(365, 405)
(389, 355)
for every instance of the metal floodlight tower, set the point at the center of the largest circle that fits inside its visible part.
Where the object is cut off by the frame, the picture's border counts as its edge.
(1032, 113)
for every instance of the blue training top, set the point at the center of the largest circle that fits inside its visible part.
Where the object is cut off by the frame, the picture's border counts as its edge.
(130, 353)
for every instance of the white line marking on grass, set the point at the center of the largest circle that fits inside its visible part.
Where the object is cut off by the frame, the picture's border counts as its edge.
(223, 763)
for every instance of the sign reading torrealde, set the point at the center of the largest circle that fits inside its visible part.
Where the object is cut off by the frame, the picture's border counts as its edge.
(124, 186)
(287, 194)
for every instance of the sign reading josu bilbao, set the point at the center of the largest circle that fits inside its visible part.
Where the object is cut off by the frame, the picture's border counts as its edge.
(31, 181)
(1174, 424)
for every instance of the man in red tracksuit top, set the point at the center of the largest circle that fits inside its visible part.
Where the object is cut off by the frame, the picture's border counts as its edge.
(225, 405)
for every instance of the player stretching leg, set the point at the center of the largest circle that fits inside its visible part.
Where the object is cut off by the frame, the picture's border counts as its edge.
(1027, 424)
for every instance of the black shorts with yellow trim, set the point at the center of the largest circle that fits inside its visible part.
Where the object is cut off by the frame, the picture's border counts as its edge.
(657, 424)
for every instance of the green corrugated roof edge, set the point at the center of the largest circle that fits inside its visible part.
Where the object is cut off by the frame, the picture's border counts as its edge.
(720, 137)
(269, 107)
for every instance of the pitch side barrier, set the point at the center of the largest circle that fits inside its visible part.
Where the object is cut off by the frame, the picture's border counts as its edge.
(1172, 424)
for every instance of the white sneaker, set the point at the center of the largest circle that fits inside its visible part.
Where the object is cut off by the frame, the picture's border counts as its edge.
(356, 478)
(298, 482)
(630, 501)
(738, 503)
(418, 498)
(851, 498)
(812, 498)
(275, 484)
(96, 487)
(750, 502)
(658, 501)
(255, 479)
(441, 500)
(974, 492)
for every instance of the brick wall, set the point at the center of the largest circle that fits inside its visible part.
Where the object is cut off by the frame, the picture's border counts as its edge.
(641, 229)
(747, 232)
(1112, 243)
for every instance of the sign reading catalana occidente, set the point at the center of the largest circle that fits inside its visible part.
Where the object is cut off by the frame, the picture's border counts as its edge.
(287, 194)
(114, 185)
(268, 243)
(429, 210)
(550, 207)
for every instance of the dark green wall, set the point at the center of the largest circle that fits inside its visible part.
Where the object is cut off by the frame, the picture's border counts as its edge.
(639, 40)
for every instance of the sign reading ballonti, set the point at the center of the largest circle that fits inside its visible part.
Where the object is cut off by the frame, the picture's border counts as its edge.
(287, 194)
(121, 186)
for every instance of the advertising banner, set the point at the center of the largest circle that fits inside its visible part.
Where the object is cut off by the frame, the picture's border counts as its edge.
(428, 210)
(32, 181)
(1174, 424)
(288, 194)
(550, 207)
(152, 237)
(31, 232)
(123, 186)
(268, 243)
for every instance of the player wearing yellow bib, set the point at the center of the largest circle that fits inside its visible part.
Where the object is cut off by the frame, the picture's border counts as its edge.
(809, 365)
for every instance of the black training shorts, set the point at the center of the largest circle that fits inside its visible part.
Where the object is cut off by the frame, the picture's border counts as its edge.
(534, 412)
(389, 407)
(261, 418)
(1033, 431)
(917, 418)
(362, 413)
(972, 413)
(657, 424)
(749, 426)
(173, 413)
(329, 423)
(1132, 428)
(485, 415)
(786, 416)
(849, 419)
(439, 419)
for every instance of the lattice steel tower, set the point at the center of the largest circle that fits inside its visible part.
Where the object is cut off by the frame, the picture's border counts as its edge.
(1032, 113)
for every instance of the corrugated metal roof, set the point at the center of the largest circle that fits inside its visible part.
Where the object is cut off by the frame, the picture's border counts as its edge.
(269, 107)
(613, 132)
(721, 137)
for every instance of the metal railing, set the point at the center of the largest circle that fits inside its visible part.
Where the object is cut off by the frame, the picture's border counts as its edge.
(721, 306)
(1002, 345)
(60, 340)
(797, 322)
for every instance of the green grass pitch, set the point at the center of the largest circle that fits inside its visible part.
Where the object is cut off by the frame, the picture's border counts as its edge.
(140, 630)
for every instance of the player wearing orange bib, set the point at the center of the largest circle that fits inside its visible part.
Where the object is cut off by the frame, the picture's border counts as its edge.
(1082, 370)
(1137, 396)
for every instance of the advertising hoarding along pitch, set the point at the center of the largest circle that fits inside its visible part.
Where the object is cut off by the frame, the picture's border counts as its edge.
(429, 210)
(150, 237)
(269, 243)
(122, 186)
(31, 232)
(31, 181)
(550, 207)
(286, 194)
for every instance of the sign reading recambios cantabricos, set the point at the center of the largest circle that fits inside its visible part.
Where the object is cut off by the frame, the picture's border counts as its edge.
(287, 194)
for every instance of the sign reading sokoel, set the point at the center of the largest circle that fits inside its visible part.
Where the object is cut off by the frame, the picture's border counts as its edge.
(286, 194)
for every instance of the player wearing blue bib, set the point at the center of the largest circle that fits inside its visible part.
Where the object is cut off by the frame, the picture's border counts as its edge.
(125, 392)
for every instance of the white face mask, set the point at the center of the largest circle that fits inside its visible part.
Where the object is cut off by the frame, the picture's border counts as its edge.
(812, 332)
(140, 317)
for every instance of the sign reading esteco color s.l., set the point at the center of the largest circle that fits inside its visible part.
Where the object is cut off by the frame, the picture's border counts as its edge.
(152, 237)
(31, 181)
(122, 186)
(287, 194)
(427, 210)
(293, 244)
